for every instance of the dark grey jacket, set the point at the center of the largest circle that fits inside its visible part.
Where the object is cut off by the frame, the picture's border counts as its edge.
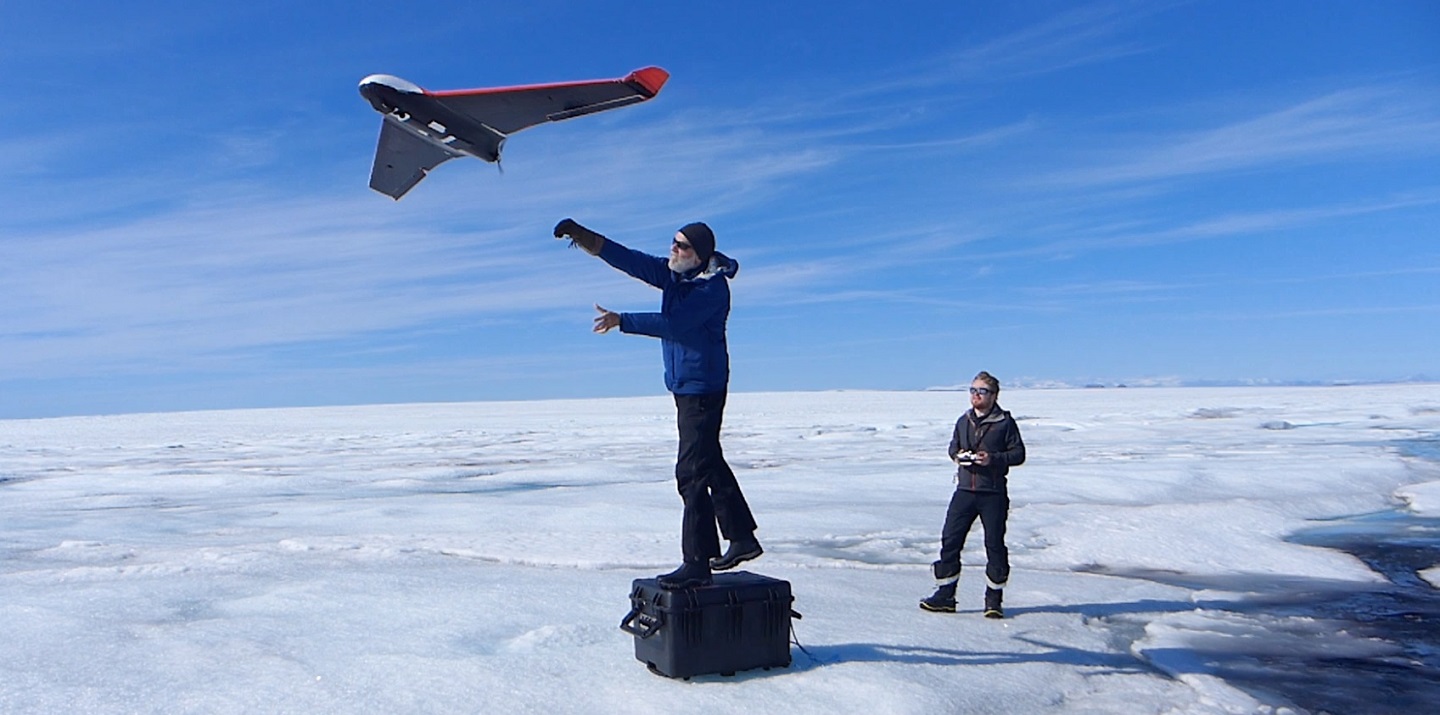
(995, 433)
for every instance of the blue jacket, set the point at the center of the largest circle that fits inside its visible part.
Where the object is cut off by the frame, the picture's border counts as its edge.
(691, 323)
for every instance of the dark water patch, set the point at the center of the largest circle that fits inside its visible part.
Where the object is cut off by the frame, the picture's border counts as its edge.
(1395, 544)
(1266, 644)
(1404, 612)
(1399, 616)
(1426, 448)
(1357, 686)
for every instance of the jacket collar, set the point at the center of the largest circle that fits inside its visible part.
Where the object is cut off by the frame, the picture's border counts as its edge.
(720, 265)
(996, 414)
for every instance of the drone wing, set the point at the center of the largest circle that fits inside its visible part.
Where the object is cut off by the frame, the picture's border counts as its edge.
(424, 129)
(510, 109)
(402, 159)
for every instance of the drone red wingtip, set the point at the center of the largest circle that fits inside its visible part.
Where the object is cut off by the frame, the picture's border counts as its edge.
(651, 78)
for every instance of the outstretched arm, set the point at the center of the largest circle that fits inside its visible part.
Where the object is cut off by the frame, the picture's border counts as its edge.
(653, 270)
(688, 313)
(580, 236)
(643, 266)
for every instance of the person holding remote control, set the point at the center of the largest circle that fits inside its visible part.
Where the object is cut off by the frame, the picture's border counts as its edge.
(986, 443)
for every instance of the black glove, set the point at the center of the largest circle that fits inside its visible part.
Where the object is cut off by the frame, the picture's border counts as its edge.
(580, 236)
(566, 227)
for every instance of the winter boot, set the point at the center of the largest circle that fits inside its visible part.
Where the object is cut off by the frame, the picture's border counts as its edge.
(946, 579)
(739, 552)
(942, 601)
(689, 575)
(993, 597)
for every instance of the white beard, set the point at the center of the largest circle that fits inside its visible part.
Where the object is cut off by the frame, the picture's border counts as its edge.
(681, 264)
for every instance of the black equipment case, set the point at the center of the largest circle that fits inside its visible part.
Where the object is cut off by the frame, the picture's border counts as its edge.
(740, 622)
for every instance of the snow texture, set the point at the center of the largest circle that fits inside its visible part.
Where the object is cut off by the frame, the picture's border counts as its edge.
(478, 557)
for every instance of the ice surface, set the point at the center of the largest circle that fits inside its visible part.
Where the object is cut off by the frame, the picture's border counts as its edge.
(478, 557)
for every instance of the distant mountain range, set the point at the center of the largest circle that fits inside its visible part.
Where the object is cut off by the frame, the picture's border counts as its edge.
(1041, 384)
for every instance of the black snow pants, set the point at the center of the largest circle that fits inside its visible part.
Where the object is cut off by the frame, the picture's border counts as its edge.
(706, 484)
(992, 508)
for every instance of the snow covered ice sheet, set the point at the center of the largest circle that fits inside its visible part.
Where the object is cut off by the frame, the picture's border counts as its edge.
(477, 557)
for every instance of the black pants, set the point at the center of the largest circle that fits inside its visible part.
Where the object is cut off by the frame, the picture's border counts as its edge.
(992, 509)
(706, 484)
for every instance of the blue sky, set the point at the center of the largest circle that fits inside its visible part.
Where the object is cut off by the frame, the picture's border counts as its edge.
(1057, 192)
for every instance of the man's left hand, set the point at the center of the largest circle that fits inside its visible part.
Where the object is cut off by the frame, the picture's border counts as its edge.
(606, 320)
(982, 459)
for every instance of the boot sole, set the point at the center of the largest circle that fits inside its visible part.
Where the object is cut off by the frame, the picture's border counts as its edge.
(719, 565)
(994, 613)
(936, 609)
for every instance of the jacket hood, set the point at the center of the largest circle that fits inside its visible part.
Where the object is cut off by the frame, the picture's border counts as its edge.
(720, 265)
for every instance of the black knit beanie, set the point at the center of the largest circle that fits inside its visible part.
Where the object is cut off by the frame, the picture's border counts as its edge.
(702, 238)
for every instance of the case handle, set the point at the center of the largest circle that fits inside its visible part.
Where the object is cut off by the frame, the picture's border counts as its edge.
(641, 625)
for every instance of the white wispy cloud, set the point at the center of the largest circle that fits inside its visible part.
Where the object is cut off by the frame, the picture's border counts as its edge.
(1084, 34)
(1223, 225)
(1361, 121)
(216, 268)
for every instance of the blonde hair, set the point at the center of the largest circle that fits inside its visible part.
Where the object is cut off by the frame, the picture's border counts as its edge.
(990, 380)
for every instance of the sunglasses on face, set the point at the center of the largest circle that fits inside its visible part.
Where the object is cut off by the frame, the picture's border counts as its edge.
(982, 391)
(683, 246)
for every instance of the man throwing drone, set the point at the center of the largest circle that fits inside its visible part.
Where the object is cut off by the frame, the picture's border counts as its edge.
(694, 306)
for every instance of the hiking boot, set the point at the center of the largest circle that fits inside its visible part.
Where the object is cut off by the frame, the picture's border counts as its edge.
(942, 601)
(993, 609)
(689, 575)
(739, 552)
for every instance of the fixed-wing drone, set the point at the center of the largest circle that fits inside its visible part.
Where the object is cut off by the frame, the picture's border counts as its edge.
(423, 129)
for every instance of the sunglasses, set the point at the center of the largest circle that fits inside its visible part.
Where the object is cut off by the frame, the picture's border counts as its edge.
(982, 391)
(683, 246)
